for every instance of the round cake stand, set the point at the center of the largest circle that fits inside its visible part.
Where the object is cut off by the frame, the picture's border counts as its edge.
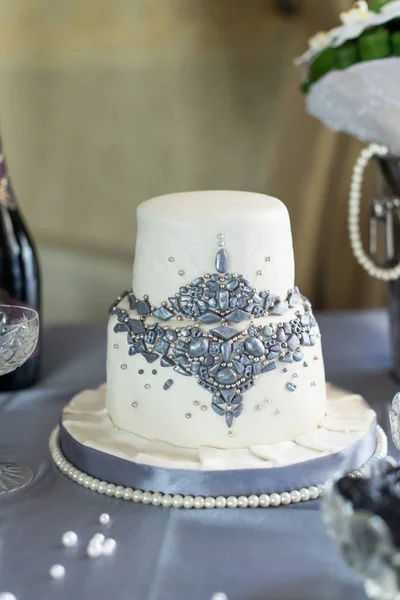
(199, 502)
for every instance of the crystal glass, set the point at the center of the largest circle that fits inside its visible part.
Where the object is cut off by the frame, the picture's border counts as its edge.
(19, 333)
(394, 414)
(385, 215)
(364, 541)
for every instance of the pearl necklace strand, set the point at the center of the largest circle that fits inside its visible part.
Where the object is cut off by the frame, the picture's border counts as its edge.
(354, 215)
(199, 502)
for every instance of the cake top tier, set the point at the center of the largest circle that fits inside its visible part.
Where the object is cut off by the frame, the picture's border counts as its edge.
(179, 236)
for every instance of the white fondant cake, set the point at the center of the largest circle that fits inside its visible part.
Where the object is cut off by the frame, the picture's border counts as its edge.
(346, 421)
(216, 392)
(215, 347)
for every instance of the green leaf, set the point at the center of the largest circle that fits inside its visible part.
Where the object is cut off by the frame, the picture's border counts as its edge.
(376, 5)
(374, 44)
(346, 55)
(396, 43)
(322, 64)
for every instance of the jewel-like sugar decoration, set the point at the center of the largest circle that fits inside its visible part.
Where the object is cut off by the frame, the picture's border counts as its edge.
(167, 384)
(225, 360)
(224, 332)
(163, 313)
(221, 261)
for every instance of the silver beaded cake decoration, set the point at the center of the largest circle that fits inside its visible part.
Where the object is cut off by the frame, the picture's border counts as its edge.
(225, 360)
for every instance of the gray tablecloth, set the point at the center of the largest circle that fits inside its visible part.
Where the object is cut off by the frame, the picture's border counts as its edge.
(167, 554)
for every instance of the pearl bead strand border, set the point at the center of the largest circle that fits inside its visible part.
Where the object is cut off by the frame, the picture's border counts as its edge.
(354, 216)
(179, 501)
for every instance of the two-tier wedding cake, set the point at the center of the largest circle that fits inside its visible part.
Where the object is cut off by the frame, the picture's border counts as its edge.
(216, 392)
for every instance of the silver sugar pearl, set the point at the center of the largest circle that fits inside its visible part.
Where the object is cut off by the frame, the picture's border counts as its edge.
(196, 403)
(221, 244)
(147, 386)
(259, 407)
(134, 404)
(124, 366)
(231, 433)
(116, 346)
(171, 259)
(221, 236)
(259, 272)
(203, 407)
(181, 272)
(278, 411)
(188, 415)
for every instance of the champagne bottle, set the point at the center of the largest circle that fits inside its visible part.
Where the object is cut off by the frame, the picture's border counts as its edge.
(19, 272)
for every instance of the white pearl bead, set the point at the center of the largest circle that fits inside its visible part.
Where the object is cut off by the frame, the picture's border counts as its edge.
(57, 571)
(94, 485)
(110, 489)
(243, 502)
(167, 500)
(198, 502)
(305, 494)
(119, 490)
(188, 502)
(321, 488)
(157, 499)
(220, 502)
(101, 488)
(87, 481)
(264, 501)
(81, 478)
(104, 518)
(137, 496)
(98, 538)
(94, 550)
(275, 500)
(109, 546)
(127, 493)
(209, 502)
(285, 498)
(147, 497)
(177, 501)
(231, 502)
(314, 493)
(7, 596)
(219, 596)
(295, 496)
(69, 539)
(253, 501)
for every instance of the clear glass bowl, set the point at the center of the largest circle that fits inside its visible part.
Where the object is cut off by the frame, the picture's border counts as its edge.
(19, 333)
(364, 540)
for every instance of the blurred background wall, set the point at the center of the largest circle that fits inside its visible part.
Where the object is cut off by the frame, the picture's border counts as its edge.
(105, 103)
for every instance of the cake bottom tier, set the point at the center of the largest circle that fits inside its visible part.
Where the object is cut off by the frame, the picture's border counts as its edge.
(90, 446)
